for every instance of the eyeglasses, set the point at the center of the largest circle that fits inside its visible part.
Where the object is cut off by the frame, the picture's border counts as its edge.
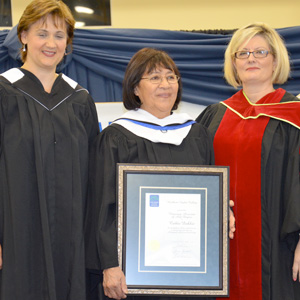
(155, 79)
(256, 54)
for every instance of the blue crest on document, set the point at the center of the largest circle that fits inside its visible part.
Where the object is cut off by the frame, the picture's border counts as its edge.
(154, 200)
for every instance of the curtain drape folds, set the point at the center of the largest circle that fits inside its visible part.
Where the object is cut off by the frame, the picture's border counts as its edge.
(100, 56)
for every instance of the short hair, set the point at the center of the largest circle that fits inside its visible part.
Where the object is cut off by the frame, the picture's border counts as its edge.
(146, 60)
(277, 47)
(40, 9)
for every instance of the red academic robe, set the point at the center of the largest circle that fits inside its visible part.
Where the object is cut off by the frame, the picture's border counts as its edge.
(246, 140)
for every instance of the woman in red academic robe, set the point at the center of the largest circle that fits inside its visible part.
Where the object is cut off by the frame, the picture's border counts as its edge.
(256, 132)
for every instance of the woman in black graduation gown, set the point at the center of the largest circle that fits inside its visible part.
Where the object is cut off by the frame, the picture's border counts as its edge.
(46, 124)
(148, 133)
(256, 132)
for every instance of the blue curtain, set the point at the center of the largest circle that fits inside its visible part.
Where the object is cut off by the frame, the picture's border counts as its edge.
(99, 59)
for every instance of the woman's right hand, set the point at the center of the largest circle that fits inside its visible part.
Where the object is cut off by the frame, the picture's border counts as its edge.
(296, 264)
(114, 283)
(231, 220)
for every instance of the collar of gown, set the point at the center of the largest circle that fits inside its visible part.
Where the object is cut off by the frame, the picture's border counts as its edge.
(170, 130)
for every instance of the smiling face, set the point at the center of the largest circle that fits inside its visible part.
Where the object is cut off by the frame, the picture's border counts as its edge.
(255, 70)
(157, 99)
(46, 42)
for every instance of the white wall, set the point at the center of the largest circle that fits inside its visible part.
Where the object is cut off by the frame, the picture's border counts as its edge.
(194, 14)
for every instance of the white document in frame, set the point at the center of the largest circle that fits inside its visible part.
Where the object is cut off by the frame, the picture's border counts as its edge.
(172, 229)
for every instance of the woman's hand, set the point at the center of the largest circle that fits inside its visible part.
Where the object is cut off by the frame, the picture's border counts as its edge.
(296, 264)
(231, 220)
(114, 283)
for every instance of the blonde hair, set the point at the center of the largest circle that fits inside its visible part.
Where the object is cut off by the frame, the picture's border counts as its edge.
(40, 9)
(277, 47)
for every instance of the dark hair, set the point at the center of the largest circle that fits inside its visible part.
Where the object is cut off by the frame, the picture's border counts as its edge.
(40, 9)
(146, 60)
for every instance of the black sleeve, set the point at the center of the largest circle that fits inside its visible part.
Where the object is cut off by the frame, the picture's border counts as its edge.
(108, 149)
(91, 121)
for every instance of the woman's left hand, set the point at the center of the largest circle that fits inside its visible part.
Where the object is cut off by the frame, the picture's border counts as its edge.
(296, 264)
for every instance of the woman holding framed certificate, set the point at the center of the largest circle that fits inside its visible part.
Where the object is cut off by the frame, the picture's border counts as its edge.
(149, 133)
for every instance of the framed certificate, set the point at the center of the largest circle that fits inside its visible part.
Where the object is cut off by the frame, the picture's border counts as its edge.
(173, 229)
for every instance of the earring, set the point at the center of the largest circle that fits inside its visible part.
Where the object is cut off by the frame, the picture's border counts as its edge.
(24, 48)
(67, 50)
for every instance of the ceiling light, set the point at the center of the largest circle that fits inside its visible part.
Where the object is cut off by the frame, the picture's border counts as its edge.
(84, 10)
(79, 24)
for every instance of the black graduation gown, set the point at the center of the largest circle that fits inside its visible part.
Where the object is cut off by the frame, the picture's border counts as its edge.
(44, 145)
(280, 203)
(115, 145)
